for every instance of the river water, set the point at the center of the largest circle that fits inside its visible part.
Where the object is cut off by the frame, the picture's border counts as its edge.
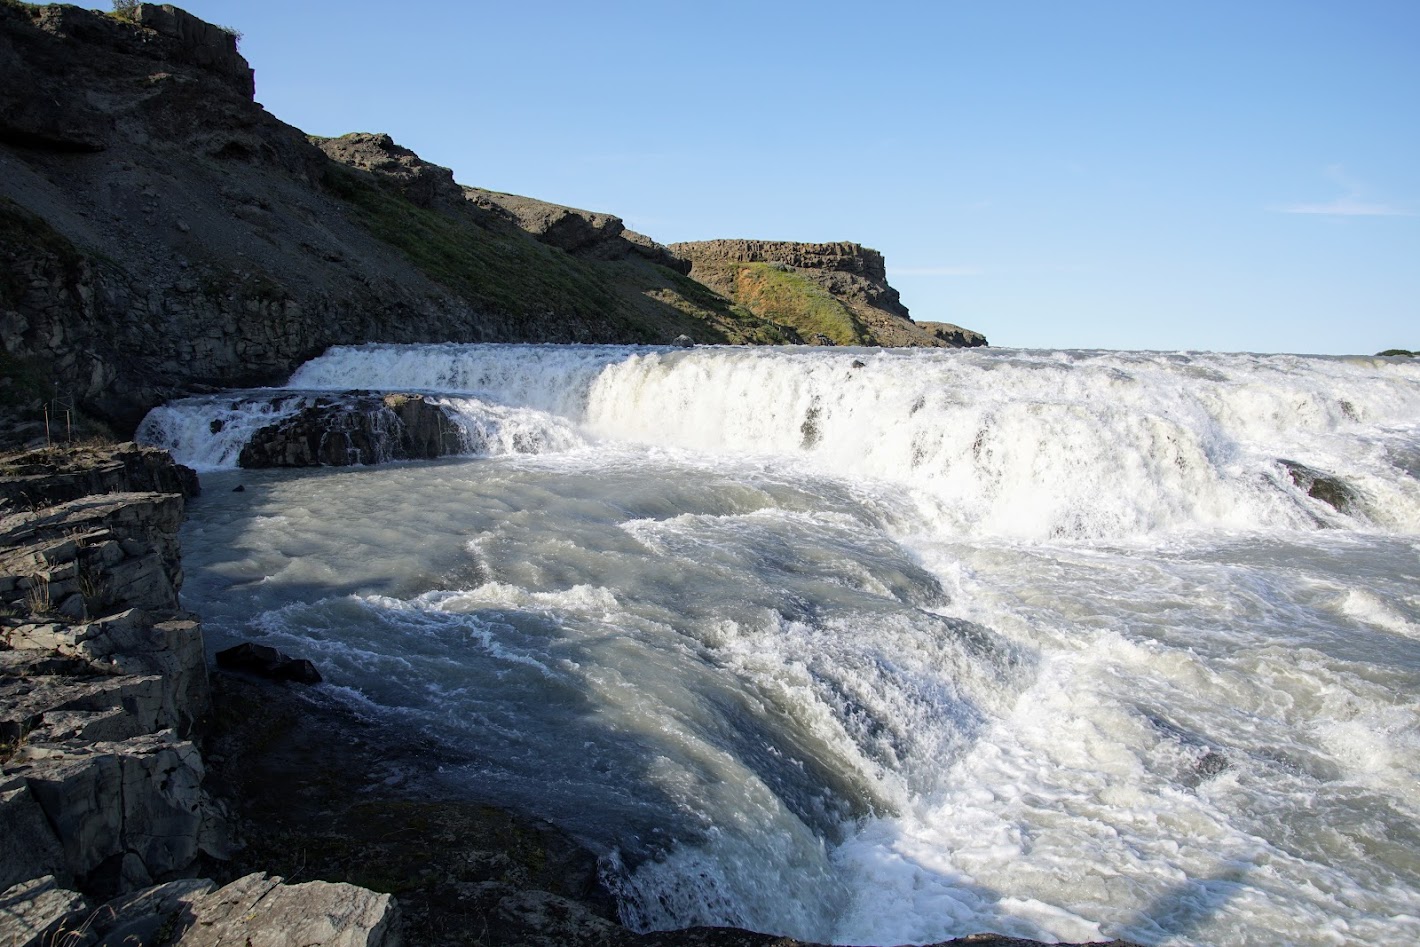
(881, 646)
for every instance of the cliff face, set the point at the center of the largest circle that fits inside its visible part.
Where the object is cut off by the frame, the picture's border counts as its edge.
(830, 293)
(160, 233)
(104, 816)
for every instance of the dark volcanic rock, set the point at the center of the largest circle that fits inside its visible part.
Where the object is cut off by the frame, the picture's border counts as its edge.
(1330, 490)
(265, 661)
(585, 233)
(356, 428)
(427, 185)
(45, 478)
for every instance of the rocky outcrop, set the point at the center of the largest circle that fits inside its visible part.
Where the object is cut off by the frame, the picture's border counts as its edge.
(1330, 490)
(584, 233)
(255, 910)
(104, 677)
(357, 428)
(954, 335)
(829, 293)
(841, 257)
(424, 184)
(41, 478)
(103, 682)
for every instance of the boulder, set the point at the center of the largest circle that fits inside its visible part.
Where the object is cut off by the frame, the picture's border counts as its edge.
(264, 661)
(260, 911)
(356, 428)
(38, 912)
(255, 910)
(124, 812)
(1332, 491)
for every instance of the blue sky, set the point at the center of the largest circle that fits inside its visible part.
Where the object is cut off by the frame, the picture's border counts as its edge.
(1231, 176)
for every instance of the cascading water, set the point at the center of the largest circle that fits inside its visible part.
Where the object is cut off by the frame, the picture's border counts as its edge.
(880, 646)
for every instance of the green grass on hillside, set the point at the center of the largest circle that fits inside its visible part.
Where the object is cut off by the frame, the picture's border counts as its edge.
(498, 271)
(728, 321)
(784, 296)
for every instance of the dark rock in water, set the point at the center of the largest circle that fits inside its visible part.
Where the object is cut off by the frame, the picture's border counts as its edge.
(683, 341)
(356, 428)
(1330, 490)
(240, 488)
(265, 661)
(1211, 764)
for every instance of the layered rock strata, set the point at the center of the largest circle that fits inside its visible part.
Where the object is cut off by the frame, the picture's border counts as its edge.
(103, 681)
(775, 280)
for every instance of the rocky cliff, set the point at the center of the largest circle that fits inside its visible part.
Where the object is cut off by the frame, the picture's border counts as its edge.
(829, 293)
(161, 233)
(105, 819)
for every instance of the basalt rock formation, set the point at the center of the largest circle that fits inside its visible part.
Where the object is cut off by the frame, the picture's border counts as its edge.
(104, 816)
(356, 428)
(160, 234)
(830, 293)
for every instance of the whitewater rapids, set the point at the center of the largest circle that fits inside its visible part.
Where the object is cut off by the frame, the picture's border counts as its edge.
(881, 646)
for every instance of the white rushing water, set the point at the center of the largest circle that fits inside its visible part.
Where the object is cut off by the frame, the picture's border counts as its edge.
(882, 646)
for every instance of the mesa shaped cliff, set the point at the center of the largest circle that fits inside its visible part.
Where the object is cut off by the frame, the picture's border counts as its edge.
(834, 293)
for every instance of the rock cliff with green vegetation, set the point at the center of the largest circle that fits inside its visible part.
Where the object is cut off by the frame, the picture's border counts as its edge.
(828, 293)
(161, 233)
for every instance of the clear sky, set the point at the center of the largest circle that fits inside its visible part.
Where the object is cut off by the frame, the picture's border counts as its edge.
(1233, 175)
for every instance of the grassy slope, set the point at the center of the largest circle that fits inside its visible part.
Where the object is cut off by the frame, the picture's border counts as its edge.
(505, 270)
(493, 270)
(794, 300)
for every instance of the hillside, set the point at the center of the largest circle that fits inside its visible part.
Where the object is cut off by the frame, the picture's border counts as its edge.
(161, 233)
(830, 293)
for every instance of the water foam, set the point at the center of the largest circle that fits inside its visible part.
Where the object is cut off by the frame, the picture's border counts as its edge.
(1056, 446)
(893, 647)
